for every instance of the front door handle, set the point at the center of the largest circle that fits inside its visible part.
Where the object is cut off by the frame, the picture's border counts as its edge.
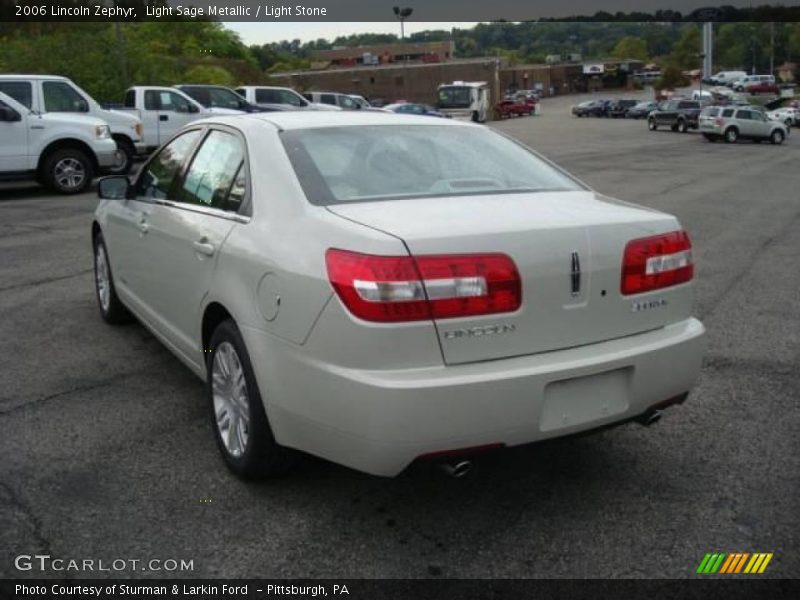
(203, 246)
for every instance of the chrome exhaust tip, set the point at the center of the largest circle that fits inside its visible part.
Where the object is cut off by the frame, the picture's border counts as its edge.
(457, 470)
(650, 417)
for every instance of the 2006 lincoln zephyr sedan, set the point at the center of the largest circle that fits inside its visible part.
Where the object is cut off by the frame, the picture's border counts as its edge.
(375, 288)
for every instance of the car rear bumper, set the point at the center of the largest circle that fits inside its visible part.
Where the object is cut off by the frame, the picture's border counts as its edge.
(381, 421)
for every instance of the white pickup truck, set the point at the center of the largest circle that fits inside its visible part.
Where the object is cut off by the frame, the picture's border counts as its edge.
(164, 110)
(61, 150)
(52, 94)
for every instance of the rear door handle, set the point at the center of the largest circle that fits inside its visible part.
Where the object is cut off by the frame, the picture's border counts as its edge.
(163, 118)
(203, 246)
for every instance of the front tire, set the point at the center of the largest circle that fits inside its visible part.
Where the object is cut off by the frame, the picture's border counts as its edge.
(68, 171)
(241, 428)
(126, 154)
(651, 124)
(111, 308)
(683, 127)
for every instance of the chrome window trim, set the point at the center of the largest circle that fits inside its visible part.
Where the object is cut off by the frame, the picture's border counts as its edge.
(203, 210)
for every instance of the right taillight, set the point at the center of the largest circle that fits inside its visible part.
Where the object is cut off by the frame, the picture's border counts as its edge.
(404, 288)
(656, 262)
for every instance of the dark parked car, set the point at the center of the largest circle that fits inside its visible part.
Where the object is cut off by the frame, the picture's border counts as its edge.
(678, 115)
(641, 110)
(411, 108)
(619, 108)
(217, 96)
(591, 108)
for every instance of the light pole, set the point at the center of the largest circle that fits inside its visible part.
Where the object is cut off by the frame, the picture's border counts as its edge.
(402, 14)
(702, 58)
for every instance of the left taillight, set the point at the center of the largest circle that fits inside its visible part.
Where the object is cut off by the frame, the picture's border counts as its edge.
(405, 288)
(656, 262)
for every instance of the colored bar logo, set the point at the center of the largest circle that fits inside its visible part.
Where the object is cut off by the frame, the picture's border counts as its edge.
(734, 563)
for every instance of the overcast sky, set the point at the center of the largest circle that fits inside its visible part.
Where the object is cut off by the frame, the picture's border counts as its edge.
(262, 33)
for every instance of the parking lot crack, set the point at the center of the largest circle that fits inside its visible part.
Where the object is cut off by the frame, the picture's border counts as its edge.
(44, 281)
(11, 498)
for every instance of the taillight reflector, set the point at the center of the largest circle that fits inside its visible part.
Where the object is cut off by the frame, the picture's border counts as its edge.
(405, 288)
(656, 262)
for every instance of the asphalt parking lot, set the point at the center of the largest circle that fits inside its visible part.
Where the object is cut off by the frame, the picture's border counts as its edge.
(107, 451)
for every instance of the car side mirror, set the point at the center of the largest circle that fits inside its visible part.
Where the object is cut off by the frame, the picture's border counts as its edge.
(114, 187)
(9, 114)
(193, 109)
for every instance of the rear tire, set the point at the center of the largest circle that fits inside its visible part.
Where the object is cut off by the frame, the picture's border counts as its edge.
(241, 428)
(683, 127)
(67, 171)
(111, 308)
(777, 137)
(731, 135)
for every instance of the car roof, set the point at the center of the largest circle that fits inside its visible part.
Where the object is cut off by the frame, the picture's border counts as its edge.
(37, 77)
(290, 120)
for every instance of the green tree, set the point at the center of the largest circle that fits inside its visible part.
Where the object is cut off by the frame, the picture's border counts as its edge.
(631, 47)
(685, 53)
(209, 74)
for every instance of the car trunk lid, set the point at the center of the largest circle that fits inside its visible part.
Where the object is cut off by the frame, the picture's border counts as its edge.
(568, 248)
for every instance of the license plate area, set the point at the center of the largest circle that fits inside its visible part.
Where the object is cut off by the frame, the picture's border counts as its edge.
(580, 400)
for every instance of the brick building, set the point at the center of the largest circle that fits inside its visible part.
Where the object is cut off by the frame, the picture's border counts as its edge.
(421, 52)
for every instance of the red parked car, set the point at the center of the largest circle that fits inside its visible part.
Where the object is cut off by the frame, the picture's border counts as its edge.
(762, 87)
(510, 108)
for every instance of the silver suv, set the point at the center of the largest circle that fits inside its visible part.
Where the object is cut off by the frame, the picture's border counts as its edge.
(731, 123)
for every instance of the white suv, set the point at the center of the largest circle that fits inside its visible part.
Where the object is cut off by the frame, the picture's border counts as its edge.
(63, 151)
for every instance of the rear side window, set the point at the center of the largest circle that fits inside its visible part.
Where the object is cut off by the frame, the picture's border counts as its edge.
(744, 114)
(62, 97)
(728, 112)
(216, 173)
(21, 91)
(156, 181)
(327, 99)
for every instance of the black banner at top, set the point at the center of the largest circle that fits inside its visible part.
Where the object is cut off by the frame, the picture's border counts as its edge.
(383, 10)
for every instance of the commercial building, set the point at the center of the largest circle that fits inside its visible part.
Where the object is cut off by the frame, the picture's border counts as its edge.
(380, 54)
(418, 81)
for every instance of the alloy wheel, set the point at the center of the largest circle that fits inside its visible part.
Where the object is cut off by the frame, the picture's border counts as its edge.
(231, 402)
(69, 173)
(102, 277)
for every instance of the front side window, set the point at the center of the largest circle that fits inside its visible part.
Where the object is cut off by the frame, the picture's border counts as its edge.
(173, 102)
(327, 99)
(267, 96)
(347, 102)
(214, 173)
(21, 91)
(363, 163)
(62, 97)
(223, 98)
(130, 99)
(160, 173)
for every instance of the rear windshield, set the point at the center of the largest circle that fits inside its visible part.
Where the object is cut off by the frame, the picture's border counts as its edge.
(382, 162)
(710, 112)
